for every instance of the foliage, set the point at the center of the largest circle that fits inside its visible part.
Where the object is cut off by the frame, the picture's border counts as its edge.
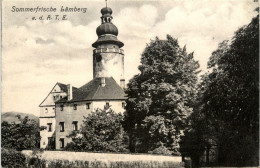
(161, 96)
(161, 150)
(232, 96)
(199, 136)
(22, 135)
(228, 104)
(101, 131)
(11, 158)
(35, 159)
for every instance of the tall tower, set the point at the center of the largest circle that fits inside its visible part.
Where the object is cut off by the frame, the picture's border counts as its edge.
(108, 57)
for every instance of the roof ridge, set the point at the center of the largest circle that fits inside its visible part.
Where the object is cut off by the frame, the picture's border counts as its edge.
(93, 90)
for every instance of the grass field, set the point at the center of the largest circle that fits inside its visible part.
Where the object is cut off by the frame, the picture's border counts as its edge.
(110, 160)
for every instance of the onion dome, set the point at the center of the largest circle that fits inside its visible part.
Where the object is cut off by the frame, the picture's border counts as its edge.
(106, 10)
(107, 31)
(107, 28)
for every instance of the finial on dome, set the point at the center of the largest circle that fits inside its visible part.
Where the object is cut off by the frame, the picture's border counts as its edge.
(107, 32)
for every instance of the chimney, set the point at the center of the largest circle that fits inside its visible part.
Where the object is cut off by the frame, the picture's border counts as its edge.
(69, 88)
(122, 83)
(103, 82)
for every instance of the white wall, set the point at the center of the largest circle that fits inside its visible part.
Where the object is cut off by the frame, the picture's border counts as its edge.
(57, 92)
(47, 111)
(45, 133)
(68, 115)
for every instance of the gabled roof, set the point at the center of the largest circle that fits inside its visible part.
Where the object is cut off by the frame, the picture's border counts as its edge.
(94, 91)
(62, 86)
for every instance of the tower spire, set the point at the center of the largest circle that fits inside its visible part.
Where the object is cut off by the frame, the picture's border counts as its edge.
(106, 3)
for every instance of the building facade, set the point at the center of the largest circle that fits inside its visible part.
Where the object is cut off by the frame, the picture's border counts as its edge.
(106, 89)
(47, 113)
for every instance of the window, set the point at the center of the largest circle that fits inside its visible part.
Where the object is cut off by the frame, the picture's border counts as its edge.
(75, 106)
(53, 109)
(61, 126)
(88, 105)
(49, 127)
(43, 143)
(51, 142)
(107, 105)
(61, 97)
(46, 110)
(123, 104)
(61, 107)
(75, 125)
(61, 142)
(53, 97)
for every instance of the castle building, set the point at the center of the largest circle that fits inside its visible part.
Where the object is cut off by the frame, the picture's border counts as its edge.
(47, 113)
(69, 104)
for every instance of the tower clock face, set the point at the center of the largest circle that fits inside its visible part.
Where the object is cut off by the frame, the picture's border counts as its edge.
(98, 58)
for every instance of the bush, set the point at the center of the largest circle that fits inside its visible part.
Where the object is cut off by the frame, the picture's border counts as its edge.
(101, 131)
(11, 158)
(161, 150)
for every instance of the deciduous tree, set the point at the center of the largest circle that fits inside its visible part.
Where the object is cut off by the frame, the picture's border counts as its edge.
(161, 96)
(229, 101)
(22, 135)
(101, 131)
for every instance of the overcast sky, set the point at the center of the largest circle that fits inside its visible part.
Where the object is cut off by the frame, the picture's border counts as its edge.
(37, 54)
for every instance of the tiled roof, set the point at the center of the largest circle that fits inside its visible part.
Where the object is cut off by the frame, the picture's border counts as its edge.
(64, 87)
(94, 91)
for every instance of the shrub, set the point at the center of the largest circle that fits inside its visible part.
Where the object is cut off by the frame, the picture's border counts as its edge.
(11, 158)
(161, 150)
(101, 131)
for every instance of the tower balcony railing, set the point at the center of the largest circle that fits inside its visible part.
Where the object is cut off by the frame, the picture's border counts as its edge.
(108, 50)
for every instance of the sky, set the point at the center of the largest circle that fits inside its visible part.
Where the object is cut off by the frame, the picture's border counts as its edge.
(36, 54)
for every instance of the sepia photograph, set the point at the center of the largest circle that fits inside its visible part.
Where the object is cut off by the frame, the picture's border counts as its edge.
(129, 84)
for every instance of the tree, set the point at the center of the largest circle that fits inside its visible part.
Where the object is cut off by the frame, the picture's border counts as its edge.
(160, 97)
(229, 103)
(23, 135)
(199, 133)
(101, 131)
